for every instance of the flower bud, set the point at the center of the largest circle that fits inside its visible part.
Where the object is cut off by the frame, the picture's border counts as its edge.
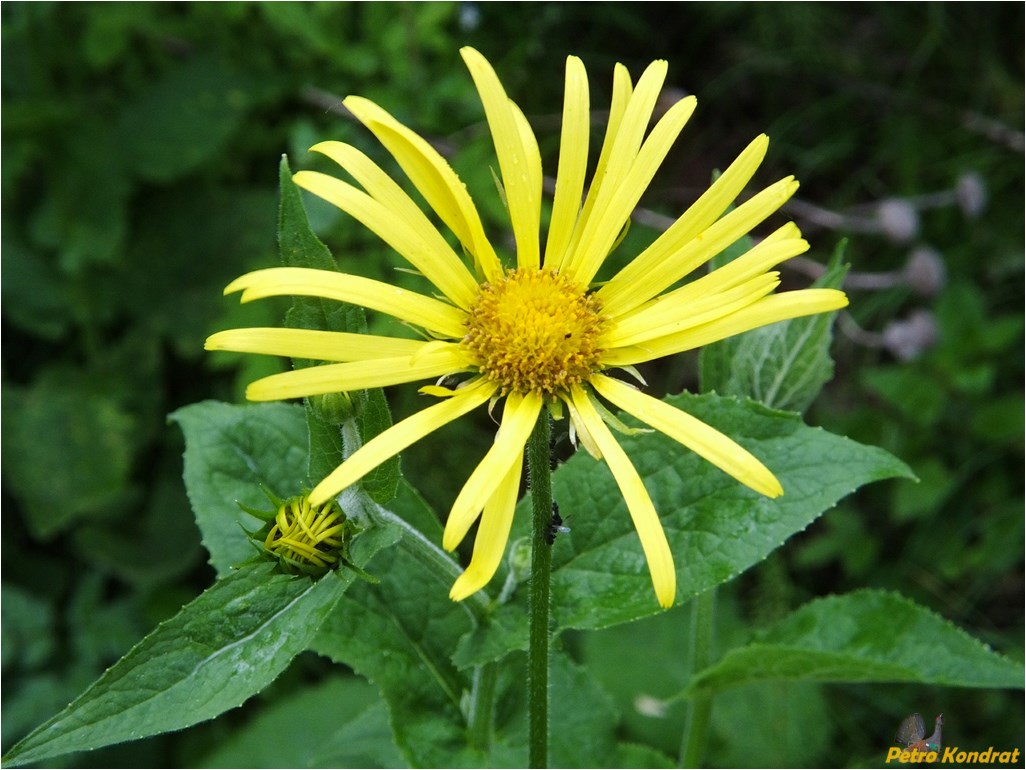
(305, 539)
(519, 560)
(333, 408)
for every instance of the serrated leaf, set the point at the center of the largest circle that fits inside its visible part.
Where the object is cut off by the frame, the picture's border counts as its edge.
(716, 527)
(300, 247)
(784, 365)
(230, 451)
(865, 636)
(220, 649)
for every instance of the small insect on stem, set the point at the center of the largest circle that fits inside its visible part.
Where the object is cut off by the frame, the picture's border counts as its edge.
(555, 525)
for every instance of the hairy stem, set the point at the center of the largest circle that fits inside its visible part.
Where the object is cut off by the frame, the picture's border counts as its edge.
(540, 469)
(482, 706)
(696, 728)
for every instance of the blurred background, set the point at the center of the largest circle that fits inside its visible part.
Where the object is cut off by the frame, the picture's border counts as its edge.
(139, 171)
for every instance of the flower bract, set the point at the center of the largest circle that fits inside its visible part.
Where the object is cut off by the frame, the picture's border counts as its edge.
(540, 333)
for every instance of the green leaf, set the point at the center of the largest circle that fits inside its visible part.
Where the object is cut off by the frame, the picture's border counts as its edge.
(155, 543)
(230, 451)
(320, 726)
(28, 632)
(34, 295)
(74, 450)
(921, 400)
(184, 118)
(583, 719)
(642, 665)
(716, 527)
(227, 228)
(639, 755)
(783, 365)
(300, 247)
(865, 636)
(84, 216)
(223, 647)
(784, 726)
(366, 741)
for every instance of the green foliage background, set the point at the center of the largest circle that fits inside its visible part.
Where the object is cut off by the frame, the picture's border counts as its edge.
(139, 176)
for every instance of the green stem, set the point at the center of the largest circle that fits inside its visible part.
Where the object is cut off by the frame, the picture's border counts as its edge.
(482, 705)
(696, 728)
(413, 542)
(539, 468)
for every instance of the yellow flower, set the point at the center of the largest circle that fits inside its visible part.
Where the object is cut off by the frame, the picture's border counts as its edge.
(306, 538)
(542, 334)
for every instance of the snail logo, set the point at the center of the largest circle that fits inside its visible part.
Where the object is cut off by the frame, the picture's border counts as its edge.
(915, 748)
(912, 730)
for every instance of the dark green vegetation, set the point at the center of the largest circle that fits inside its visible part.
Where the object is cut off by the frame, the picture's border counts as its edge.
(140, 165)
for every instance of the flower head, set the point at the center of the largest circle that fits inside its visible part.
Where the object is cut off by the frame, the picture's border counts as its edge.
(543, 333)
(304, 539)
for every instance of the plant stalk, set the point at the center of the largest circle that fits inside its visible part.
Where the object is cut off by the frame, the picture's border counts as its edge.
(482, 705)
(539, 470)
(696, 728)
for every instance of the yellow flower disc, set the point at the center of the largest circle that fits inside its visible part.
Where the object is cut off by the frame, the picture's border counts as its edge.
(307, 538)
(534, 331)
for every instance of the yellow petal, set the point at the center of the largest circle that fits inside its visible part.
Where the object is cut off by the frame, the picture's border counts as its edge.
(700, 438)
(433, 178)
(770, 252)
(622, 91)
(620, 200)
(357, 375)
(715, 239)
(518, 419)
(392, 441)
(579, 431)
(777, 307)
(573, 162)
(431, 314)
(628, 288)
(609, 181)
(311, 343)
(430, 253)
(490, 543)
(517, 151)
(532, 183)
(668, 315)
(639, 504)
(439, 264)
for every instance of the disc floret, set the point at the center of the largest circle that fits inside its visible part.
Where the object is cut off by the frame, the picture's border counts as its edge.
(534, 331)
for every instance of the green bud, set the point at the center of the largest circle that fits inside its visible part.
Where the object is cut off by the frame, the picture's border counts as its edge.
(333, 408)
